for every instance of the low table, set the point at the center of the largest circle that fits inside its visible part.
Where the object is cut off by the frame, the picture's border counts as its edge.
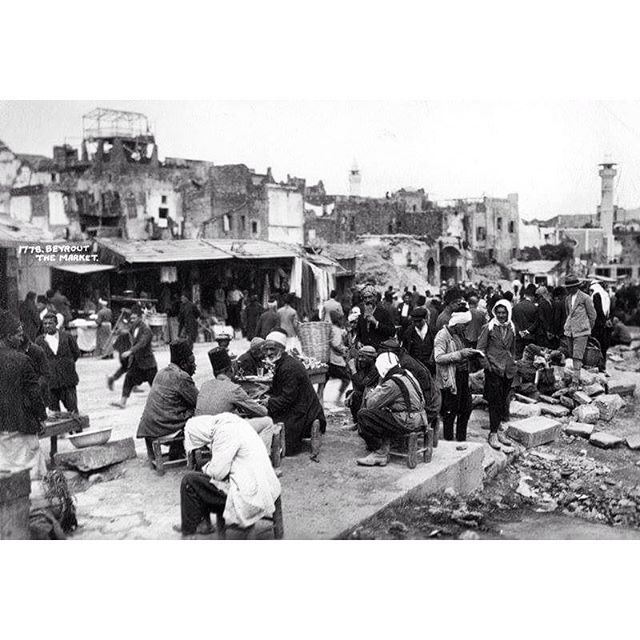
(65, 423)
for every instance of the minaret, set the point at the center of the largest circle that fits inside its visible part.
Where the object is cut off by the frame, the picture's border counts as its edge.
(354, 180)
(608, 172)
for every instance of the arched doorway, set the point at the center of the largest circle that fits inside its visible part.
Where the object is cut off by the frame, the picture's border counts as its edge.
(450, 264)
(431, 271)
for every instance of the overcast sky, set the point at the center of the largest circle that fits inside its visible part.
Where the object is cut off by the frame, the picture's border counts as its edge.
(546, 152)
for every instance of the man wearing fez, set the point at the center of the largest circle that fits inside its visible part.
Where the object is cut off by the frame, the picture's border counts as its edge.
(222, 395)
(61, 351)
(173, 396)
(293, 399)
(21, 407)
(142, 363)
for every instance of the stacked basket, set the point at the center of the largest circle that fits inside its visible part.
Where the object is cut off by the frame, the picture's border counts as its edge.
(315, 339)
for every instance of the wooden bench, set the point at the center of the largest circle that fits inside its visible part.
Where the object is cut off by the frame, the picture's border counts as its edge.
(409, 446)
(158, 460)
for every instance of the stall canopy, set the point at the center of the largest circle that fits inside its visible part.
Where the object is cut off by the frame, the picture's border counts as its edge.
(192, 250)
(82, 269)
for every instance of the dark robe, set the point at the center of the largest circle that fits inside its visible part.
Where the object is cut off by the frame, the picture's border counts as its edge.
(21, 405)
(62, 365)
(294, 402)
(171, 402)
(369, 334)
(188, 321)
(30, 319)
(267, 322)
(251, 315)
(247, 364)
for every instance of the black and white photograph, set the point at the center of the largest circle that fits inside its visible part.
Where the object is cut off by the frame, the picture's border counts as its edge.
(309, 312)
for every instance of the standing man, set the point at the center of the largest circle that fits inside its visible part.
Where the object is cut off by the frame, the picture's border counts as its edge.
(581, 318)
(62, 352)
(269, 320)
(142, 363)
(452, 299)
(61, 303)
(289, 320)
(526, 319)
(331, 305)
(252, 313)
(403, 312)
(478, 320)
(545, 313)
(603, 325)
(188, 319)
(103, 334)
(21, 407)
(234, 306)
(374, 323)
(417, 340)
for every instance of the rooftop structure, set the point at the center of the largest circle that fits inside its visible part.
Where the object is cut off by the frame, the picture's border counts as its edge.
(101, 124)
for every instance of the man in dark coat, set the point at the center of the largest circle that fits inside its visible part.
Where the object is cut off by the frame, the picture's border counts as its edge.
(365, 377)
(188, 319)
(61, 304)
(248, 363)
(269, 320)
(292, 399)
(173, 396)
(142, 363)
(29, 316)
(21, 407)
(62, 352)
(545, 313)
(417, 340)
(526, 319)
(251, 314)
(374, 324)
(38, 359)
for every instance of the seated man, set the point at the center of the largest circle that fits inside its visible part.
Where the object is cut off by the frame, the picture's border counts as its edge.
(238, 483)
(395, 407)
(248, 363)
(293, 399)
(221, 395)
(365, 377)
(173, 396)
(620, 333)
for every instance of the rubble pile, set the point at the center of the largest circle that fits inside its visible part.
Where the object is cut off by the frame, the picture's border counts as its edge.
(576, 486)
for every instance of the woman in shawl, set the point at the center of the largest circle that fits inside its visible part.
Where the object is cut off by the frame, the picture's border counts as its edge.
(498, 343)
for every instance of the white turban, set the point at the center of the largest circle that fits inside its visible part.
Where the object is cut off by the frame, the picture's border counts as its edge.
(277, 336)
(385, 362)
(460, 317)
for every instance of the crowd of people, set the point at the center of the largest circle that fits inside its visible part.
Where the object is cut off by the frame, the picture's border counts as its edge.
(403, 360)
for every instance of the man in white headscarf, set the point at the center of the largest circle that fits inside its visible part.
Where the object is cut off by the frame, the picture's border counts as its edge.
(452, 373)
(395, 407)
(238, 483)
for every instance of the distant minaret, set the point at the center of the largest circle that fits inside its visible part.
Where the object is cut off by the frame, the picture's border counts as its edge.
(608, 172)
(354, 180)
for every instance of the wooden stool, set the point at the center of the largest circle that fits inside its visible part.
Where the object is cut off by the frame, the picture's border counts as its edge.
(249, 532)
(408, 447)
(159, 460)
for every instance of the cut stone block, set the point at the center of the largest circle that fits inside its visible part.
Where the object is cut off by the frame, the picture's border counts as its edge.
(604, 440)
(566, 401)
(560, 392)
(621, 387)
(522, 410)
(608, 405)
(594, 389)
(581, 429)
(555, 410)
(586, 377)
(99, 457)
(549, 399)
(581, 397)
(534, 431)
(586, 413)
(633, 442)
(525, 399)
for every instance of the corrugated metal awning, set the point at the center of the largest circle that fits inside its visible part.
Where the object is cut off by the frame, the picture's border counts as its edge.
(192, 250)
(82, 269)
(163, 251)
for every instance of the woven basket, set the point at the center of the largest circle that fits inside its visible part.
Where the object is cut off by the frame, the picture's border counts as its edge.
(315, 339)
